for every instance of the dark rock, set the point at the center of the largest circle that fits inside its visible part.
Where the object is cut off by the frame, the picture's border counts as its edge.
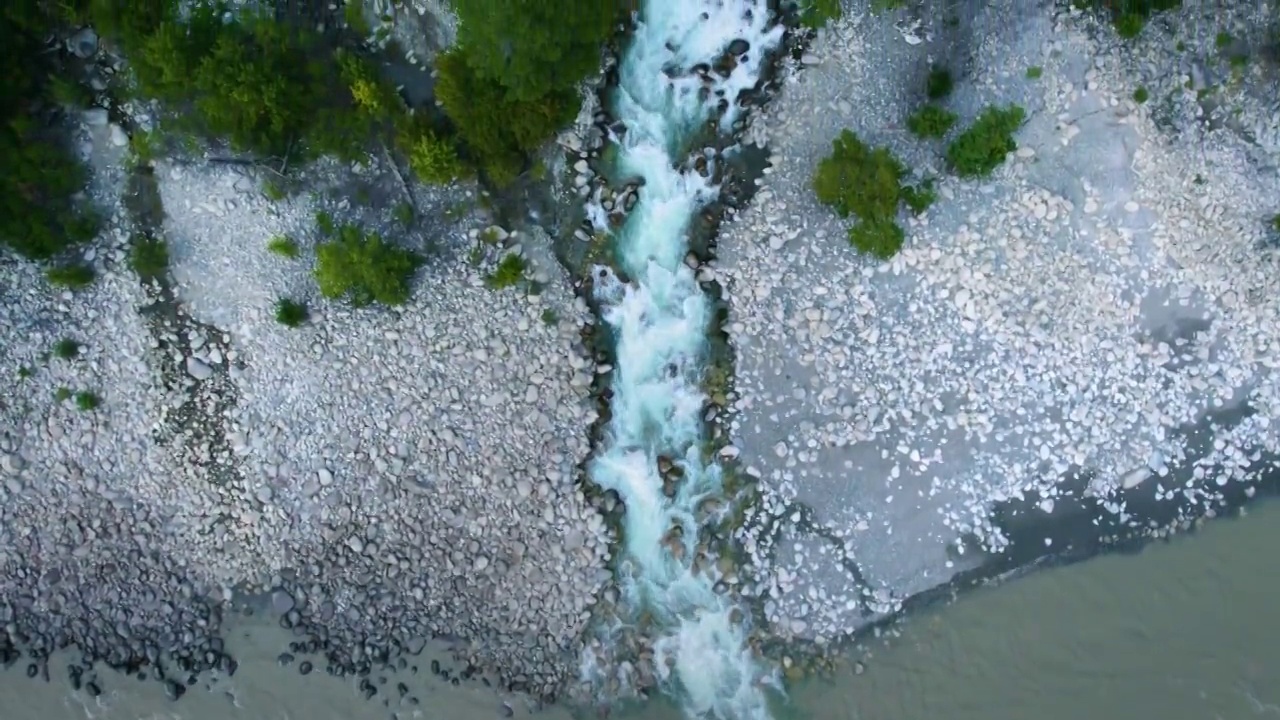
(174, 690)
(305, 667)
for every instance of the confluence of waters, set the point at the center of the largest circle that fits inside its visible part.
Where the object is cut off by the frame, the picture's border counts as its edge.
(659, 323)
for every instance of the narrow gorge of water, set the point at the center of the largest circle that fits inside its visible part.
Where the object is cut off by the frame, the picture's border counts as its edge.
(659, 319)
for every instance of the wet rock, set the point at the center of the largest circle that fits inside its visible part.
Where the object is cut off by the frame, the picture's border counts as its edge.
(83, 43)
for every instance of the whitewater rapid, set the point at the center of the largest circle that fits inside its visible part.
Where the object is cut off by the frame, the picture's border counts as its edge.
(660, 320)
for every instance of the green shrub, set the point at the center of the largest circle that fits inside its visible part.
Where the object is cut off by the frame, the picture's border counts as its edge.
(979, 150)
(1275, 223)
(149, 257)
(931, 121)
(1222, 40)
(66, 349)
(62, 394)
(856, 179)
(73, 276)
(291, 313)
(1141, 95)
(939, 83)
(549, 317)
(87, 401)
(510, 271)
(284, 247)
(866, 182)
(1035, 72)
(432, 158)
(362, 268)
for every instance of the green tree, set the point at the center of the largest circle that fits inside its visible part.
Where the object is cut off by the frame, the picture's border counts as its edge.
(38, 174)
(498, 131)
(534, 47)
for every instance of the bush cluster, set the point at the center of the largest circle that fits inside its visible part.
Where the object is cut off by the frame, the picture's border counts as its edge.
(364, 269)
(980, 149)
(856, 179)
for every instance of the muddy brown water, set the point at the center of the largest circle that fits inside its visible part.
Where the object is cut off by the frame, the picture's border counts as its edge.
(1185, 629)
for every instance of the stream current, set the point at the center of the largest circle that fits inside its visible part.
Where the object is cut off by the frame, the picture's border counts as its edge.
(659, 319)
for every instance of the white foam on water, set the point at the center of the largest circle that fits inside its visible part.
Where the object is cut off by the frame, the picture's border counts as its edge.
(660, 322)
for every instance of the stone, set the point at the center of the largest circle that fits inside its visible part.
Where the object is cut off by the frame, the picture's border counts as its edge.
(83, 43)
(281, 602)
(96, 117)
(197, 369)
(119, 137)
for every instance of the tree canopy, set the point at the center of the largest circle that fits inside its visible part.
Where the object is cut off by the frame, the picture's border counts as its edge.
(534, 48)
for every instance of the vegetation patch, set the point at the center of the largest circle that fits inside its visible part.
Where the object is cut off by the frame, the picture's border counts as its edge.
(856, 179)
(931, 121)
(149, 257)
(285, 247)
(818, 13)
(364, 269)
(73, 276)
(1129, 16)
(40, 213)
(66, 349)
(291, 313)
(1035, 72)
(500, 132)
(510, 272)
(980, 149)
(87, 401)
(1141, 95)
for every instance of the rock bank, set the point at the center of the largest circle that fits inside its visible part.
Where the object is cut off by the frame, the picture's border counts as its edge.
(1096, 319)
(395, 474)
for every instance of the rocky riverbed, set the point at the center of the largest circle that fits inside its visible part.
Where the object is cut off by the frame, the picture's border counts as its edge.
(391, 475)
(1095, 321)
